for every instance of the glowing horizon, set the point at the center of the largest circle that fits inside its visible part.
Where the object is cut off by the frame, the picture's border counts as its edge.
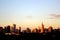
(30, 13)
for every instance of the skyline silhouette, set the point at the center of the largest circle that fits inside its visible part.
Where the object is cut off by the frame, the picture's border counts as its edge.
(40, 33)
(42, 27)
(8, 30)
(29, 19)
(35, 26)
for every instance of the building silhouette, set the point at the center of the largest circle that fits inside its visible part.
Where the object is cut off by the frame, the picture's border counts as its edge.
(28, 30)
(42, 28)
(39, 29)
(24, 31)
(35, 30)
(50, 29)
(8, 29)
(14, 27)
(19, 30)
(46, 30)
(5, 30)
(1, 29)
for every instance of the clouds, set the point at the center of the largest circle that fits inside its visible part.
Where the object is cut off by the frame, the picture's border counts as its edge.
(28, 16)
(54, 16)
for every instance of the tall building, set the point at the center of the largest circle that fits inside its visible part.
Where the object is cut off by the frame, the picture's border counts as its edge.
(8, 29)
(35, 30)
(1, 29)
(19, 30)
(46, 30)
(58, 29)
(39, 29)
(14, 27)
(50, 29)
(42, 28)
(5, 29)
(24, 31)
(28, 30)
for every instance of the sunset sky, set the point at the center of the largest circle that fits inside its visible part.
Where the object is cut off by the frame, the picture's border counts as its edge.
(30, 13)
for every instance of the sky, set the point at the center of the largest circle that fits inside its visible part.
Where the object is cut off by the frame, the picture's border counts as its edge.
(30, 13)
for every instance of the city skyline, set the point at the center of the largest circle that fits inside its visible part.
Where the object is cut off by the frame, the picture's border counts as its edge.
(30, 13)
(42, 27)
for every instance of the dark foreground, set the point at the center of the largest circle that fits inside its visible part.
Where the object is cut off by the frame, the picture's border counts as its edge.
(32, 36)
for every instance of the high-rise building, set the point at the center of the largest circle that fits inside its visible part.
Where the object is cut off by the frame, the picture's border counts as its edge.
(19, 30)
(1, 29)
(46, 30)
(50, 29)
(14, 25)
(24, 31)
(8, 29)
(39, 29)
(35, 30)
(42, 28)
(5, 29)
(28, 30)
(59, 29)
(12, 29)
